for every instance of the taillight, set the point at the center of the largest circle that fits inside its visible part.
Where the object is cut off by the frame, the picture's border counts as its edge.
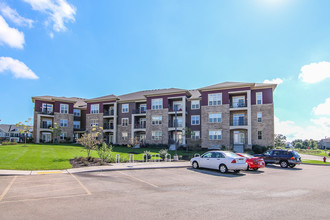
(292, 158)
(234, 161)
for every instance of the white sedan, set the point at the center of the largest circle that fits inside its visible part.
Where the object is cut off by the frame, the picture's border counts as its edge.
(220, 160)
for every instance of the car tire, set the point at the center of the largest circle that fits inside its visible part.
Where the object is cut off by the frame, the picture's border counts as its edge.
(248, 168)
(292, 165)
(223, 168)
(284, 164)
(195, 165)
(255, 169)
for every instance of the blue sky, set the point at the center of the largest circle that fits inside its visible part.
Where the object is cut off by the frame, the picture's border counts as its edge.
(95, 48)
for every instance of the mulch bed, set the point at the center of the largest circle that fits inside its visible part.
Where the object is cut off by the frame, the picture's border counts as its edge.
(87, 162)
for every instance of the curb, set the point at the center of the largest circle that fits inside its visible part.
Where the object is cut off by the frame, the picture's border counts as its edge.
(315, 164)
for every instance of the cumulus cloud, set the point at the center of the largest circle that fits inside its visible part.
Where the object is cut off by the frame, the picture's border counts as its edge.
(12, 15)
(318, 129)
(59, 11)
(323, 108)
(17, 68)
(315, 72)
(10, 36)
(274, 81)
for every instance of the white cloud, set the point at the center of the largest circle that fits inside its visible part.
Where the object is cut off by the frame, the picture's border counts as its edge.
(12, 15)
(274, 81)
(17, 68)
(318, 129)
(315, 72)
(323, 108)
(59, 11)
(10, 36)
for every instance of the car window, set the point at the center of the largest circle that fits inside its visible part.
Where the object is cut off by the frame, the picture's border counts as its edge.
(217, 155)
(207, 155)
(276, 153)
(268, 153)
(285, 153)
(231, 154)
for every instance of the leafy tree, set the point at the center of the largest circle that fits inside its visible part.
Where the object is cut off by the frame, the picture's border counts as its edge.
(56, 131)
(280, 140)
(104, 152)
(91, 140)
(298, 145)
(24, 128)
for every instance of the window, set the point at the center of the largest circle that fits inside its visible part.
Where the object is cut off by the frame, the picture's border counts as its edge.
(94, 123)
(259, 135)
(64, 123)
(156, 120)
(124, 121)
(156, 135)
(76, 112)
(195, 120)
(195, 104)
(215, 135)
(259, 98)
(76, 124)
(215, 118)
(196, 135)
(215, 99)
(179, 122)
(64, 108)
(259, 116)
(46, 123)
(124, 136)
(238, 102)
(156, 103)
(47, 108)
(207, 155)
(124, 108)
(177, 106)
(95, 108)
(63, 135)
(143, 108)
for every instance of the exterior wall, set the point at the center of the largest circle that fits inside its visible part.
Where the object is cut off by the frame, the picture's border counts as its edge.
(266, 126)
(38, 105)
(89, 117)
(267, 96)
(100, 107)
(163, 127)
(165, 99)
(69, 129)
(224, 126)
(191, 112)
(57, 107)
(225, 95)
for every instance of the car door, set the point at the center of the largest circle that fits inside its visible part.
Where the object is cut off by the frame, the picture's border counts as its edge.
(268, 156)
(277, 154)
(205, 160)
(217, 159)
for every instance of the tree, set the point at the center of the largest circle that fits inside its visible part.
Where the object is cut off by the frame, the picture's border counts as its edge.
(24, 128)
(104, 152)
(280, 140)
(56, 131)
(298, 145)
(91, 140)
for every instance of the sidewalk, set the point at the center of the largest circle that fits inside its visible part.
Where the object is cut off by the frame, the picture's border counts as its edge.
(113, 167)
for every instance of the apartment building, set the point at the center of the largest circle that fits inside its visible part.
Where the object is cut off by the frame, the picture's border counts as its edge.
(231, 114)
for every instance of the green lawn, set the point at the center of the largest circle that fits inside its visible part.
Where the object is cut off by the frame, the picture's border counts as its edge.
(313, 152)
(315, 162)
(49, 156)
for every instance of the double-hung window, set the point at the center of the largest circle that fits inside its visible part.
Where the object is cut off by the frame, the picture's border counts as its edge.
(64, 123)
(195, 120)
(156, 135)
(76, 112)
(215, 134)
(94, 123)
(47, 108)
(124, 108)
(124, 121)
(64, 108)
(157, 104)
(259, 135)
(215, 99)
(195, 104)
(156, 120)
(259, 98)
(259, 116)
(76, 124)
(63, 135)
(124, 136)
(95, 109)
(196, 135)
(215, 118)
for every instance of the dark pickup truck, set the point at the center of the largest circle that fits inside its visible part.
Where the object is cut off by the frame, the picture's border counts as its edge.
(284, 158)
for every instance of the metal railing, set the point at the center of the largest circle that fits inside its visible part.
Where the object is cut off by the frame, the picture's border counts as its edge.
(46, 126)
(238, 122)
(172, 125)
(140, 111)
(173, 109)
(238, 105)
(107, 126)
(140, 125)
(46, 112)
(109, 113)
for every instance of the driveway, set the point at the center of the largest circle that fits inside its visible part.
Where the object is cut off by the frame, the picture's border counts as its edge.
(180, 193)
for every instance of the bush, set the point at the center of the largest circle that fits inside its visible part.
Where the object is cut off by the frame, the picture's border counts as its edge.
(146, 155)
(104, 152)
(162, 153)
(8, 143)
(223, 147)
(257, 149)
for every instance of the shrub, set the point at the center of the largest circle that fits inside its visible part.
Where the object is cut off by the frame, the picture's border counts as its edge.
(162, 153)
(104, 152)
(146, 155)
(257, 149)
(8, 143)
(223, 147)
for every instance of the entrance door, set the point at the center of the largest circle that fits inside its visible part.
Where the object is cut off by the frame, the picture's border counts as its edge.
(239, 137)
(46, 137)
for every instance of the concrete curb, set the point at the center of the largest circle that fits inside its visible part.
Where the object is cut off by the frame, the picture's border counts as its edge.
(315, 164)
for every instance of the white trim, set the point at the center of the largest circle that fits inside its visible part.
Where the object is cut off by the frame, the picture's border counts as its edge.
(122, 122)
(213, 99)
(199, 119)
(95, 109)
(259, 117)
(65, 123)
(218, 113)
(199, 104)
(122, 108)
(259, 93)
(65, 109)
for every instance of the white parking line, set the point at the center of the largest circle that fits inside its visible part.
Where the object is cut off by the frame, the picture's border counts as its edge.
(153, 185)
(82, 185)
(7, 188)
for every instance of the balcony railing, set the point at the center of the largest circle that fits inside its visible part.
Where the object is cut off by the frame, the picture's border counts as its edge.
(238, 105)
(173, 109)
(140, 125)
(140, 111)
(45, 126)
(238, 122)
(107, 126)
(172, 125)
(46, 112)
(109, 113)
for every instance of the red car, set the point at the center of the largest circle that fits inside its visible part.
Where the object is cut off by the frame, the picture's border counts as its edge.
(253, 162)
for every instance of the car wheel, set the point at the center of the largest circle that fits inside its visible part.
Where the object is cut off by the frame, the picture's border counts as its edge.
(284, 164)
(223, 168)
(195, 165)
(255, 169)
(248, 168)
(292, 165)
(236, 171)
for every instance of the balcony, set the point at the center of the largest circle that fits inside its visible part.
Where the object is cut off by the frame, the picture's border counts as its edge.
(45, 126)
(140, 111)
(108, 126)
(140, 126)
(109, 112)
(46, 112)
(172, 124)
(238, 105)
(238, 122)
(173, 109)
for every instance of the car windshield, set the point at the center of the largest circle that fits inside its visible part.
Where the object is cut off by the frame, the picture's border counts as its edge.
(230, 154)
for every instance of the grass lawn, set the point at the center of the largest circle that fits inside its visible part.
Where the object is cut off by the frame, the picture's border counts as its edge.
(315, 162)
(51, 157)
(314, 152)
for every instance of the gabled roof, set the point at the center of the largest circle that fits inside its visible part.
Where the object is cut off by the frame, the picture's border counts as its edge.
(103, 98)
(229, 85)
(8, 128)
(195, 94)
(78, 102)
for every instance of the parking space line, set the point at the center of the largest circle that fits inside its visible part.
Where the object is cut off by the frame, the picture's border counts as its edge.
(44, 198)
(153, 185)
(7, 188)
(82, 185)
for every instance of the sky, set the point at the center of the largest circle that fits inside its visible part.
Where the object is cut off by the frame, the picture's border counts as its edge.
(87, 49)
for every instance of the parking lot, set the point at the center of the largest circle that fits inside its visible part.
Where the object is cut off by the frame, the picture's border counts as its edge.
(181, 193)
